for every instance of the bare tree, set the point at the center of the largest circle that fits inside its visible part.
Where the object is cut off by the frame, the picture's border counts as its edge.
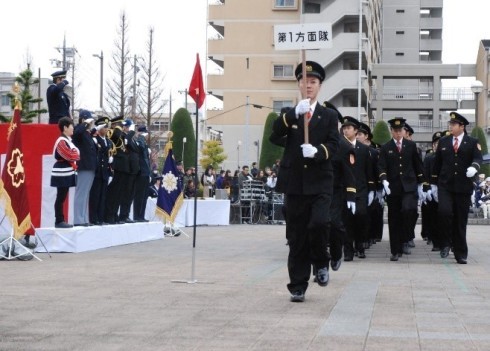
(118, 87)
(150, 102)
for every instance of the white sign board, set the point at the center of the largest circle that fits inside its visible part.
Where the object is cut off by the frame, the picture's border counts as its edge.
(303, 36)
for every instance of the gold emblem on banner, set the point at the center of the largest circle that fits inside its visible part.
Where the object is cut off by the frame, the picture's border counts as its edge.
(15, 168)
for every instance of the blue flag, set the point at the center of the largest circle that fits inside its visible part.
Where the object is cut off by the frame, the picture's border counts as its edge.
(170, 195)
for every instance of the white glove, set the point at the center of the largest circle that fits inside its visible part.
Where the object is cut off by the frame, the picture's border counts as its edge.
(111, 159)
(428, 195)
(470, 172)
(434, 191)
(352, 206)
(309, 150)
(131, 127)
(370, 197)
(381, 201)
(110, 180)
(302, 107)
(421, 193)
(89, 120)
(99, 127)
(386, 186)
(149, 151)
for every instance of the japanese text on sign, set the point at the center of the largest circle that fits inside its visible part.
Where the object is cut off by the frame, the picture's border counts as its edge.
(303, 36)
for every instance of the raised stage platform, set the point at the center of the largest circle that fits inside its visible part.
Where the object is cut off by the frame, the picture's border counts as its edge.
(80, 239)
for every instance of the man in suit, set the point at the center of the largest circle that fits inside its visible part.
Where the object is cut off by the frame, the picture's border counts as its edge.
(58, 101)
(401, 173)
(142, 181)
(306, 179)
(457, 160)
(357, 223)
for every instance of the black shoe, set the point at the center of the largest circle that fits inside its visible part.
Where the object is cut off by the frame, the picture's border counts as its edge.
(81, 225)
(411, 243)
(361, 255)
(28, 244)
(429, 242)
(394, 257)
(322, 276)
(297, 296)
(435, 248)
(120, 222)
(406, 249)
(445, 252)
(63, 225)
(461, 260)
(348, 258)
(335, 264)
(128, 220)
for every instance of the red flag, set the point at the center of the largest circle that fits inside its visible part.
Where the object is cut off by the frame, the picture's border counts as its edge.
(196, 89)
(13, 191)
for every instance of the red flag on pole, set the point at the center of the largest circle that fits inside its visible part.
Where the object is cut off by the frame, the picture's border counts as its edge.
(13, 191)
(196, 89)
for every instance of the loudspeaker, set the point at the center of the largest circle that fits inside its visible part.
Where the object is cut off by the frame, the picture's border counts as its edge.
(277, 213)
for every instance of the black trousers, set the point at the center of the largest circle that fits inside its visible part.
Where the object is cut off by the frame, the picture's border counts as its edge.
(401, 212)
(61, 193)
(375, 213)
(97, 200)
(127, 197)
(141, 185)
(115, 191)
(434, 232)
(356, 227)
(307, 234)
(337, 228)
(453, 218)
(425, 211)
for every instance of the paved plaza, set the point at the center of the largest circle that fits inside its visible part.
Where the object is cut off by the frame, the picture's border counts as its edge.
(123, 298)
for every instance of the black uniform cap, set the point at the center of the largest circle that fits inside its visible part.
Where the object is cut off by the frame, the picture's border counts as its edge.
(117, 119)
(332, 106)
(397, 122)
(408, 128)
(455, 117)
(437, 135)
(102, 120)
(60, 74)
(312, 69)
(351, 121)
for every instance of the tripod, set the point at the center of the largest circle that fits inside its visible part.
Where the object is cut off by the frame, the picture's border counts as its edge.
(169, 229)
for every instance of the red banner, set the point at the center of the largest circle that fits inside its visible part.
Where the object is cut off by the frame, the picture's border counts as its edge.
(196, 89)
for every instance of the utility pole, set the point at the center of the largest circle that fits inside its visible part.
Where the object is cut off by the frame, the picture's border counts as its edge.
(133, 100)
(39, 95)
(101, 58)
(170, 111)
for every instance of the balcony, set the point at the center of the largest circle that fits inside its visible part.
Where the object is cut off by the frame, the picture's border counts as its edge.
(431, 44)
(404, 93)
(427, 4)
(431, 23)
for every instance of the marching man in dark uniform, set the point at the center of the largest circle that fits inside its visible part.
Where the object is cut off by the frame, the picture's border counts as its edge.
(402, 175)
(344, 194)
(306, 179)
(142, 181)
(58, 100)
(458, 158)
(357, 223)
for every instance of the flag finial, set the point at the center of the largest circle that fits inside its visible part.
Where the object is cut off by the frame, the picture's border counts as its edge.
(16, 94)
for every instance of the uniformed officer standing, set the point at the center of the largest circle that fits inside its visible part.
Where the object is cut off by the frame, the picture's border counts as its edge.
(357, 224)
(344, 194)
(142, 181)
(457, 160)
(120, 167)
(401, 173)
(306, 179)
(58, 101)
(103, 171)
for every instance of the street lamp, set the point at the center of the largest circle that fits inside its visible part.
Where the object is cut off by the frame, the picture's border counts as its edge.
(184, 140)
(476, 88)
(185, 96)
(101, 58)
(257, 143)
(238, 152)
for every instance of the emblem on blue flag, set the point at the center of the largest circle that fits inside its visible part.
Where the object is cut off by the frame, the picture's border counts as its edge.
(170, 195)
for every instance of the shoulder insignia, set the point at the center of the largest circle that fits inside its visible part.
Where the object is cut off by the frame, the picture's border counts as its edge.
(294, 126)
(478, 146)
(390, 151)
(352, 159)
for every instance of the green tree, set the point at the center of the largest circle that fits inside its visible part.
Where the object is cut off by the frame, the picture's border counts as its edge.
(182, 128)
(25, 81)
(212, 154)
(381, 133)
(270, 152)
(478, 133)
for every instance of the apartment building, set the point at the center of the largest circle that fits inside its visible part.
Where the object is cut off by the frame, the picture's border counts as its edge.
(483, 75)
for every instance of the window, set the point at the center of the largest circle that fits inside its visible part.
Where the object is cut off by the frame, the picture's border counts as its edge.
(285, 3)
(400, 54)
(279, 104)
(400, 11)
(400, 32)
(5, 100)
(283, 71)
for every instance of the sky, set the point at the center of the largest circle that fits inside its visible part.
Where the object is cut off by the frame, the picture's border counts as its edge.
(35, 28)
